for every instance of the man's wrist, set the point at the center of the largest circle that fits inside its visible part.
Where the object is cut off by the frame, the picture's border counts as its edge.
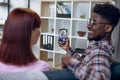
(68, 48)
(73, 63)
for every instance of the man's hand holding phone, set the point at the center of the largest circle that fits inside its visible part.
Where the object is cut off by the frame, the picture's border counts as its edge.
(62, 36)
(65, 46)
(63, 40)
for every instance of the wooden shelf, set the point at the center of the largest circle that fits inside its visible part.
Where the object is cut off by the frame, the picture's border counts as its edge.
(3, 4)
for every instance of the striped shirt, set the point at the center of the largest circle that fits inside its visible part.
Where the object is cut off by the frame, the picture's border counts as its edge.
(95, 62)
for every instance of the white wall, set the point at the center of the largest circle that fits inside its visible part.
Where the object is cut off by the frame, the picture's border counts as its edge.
(35, 5)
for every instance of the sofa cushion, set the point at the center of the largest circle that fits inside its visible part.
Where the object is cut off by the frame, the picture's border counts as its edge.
(26, 75)
(60, 74)
(115, 70)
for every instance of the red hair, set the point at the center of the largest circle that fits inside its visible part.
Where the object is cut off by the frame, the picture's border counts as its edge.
(16, 43)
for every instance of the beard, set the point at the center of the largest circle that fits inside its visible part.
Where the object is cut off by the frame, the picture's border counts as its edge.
(98, 38)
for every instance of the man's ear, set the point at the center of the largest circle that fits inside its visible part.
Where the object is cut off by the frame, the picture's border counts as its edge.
(108, 28)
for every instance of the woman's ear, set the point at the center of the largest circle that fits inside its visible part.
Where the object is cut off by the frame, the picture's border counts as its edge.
(108, 28)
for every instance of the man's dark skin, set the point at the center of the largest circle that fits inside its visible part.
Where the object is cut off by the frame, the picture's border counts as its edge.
(98, 31)
(94, 64)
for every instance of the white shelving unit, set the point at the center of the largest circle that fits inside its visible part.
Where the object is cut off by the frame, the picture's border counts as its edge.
(77, 21)
(4, 5)
(4, 11)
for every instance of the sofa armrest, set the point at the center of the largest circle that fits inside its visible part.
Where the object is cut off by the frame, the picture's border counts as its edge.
(115, 71)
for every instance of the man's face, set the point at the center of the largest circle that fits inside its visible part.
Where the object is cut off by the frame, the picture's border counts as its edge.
(96, 27)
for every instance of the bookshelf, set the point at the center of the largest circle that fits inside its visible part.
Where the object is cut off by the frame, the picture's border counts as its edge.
(4, 10)
(6, 6)
(72, 15)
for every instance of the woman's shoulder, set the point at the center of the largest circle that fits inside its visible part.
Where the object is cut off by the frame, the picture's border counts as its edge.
(37, 65)
(40, 62)
(41, 65)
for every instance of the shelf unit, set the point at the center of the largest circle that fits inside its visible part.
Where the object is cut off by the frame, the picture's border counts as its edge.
(6, 6)
(4, 9)
(22, 4)
(80, 12)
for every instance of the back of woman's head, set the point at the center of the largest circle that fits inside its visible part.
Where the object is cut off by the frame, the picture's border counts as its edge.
(16, 43)
(20, 24)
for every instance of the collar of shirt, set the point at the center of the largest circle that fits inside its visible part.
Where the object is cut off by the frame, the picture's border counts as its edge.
(100, 43)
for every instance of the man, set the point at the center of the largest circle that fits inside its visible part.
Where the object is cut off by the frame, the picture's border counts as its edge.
(95, 62)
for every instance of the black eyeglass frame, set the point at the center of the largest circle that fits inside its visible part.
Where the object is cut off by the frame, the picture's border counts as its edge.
(92, 22)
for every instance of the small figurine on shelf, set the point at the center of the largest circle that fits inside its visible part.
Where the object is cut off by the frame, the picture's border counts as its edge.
(52, 30)
(83, 16)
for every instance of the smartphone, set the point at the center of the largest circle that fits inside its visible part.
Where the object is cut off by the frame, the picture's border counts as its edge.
(62, 36)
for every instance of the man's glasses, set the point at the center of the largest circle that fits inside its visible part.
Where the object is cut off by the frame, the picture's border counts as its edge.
(93, 22)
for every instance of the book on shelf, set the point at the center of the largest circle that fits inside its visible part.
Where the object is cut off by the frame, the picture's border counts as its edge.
(51, 10)
(63, 9)
(47, 42)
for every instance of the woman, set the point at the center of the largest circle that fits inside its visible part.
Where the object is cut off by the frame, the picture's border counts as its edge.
(21, 31)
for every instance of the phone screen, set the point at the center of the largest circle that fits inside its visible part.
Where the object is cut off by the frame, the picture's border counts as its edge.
(62, 35)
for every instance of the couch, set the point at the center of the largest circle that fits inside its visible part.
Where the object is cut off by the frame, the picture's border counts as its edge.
(115, 70)
(66, 74)
(58, 74)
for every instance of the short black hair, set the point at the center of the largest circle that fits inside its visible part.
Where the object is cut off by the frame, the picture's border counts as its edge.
(108, 12)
